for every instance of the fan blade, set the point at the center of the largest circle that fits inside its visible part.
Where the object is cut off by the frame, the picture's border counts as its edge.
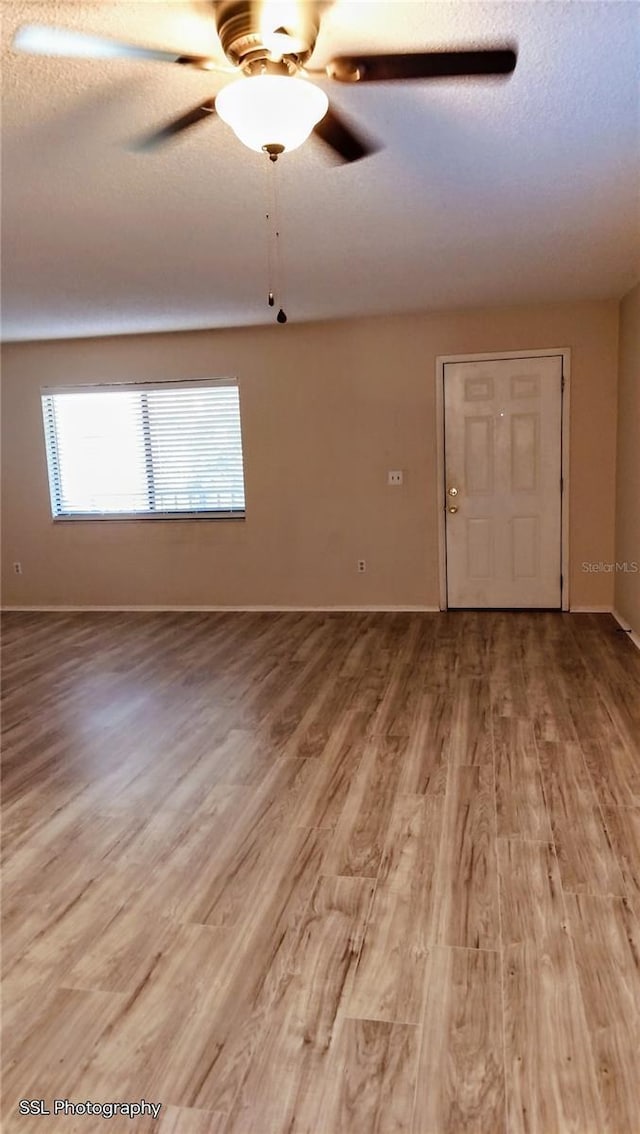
(191, 118)
(334, 131)
(421, 65)
(35, 39)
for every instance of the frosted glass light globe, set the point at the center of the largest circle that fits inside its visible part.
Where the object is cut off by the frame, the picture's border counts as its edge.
(272, 110)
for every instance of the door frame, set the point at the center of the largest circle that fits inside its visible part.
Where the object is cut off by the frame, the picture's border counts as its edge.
(495, 356)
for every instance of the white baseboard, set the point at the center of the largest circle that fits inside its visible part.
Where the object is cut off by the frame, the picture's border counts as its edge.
(590, 610)
(635, 638)
(62, 609)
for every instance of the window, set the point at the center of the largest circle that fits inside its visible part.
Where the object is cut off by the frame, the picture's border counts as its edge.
(145, 450)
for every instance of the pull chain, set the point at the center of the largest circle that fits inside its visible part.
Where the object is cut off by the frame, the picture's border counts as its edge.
(274, 260)
(270, 242)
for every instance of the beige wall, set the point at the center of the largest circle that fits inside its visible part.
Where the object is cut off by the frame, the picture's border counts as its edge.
(627, 584)
(327, 409)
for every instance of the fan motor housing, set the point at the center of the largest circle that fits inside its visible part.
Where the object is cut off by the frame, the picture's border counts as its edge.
(243, 38)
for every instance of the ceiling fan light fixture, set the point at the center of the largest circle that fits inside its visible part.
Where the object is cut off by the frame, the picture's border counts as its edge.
(272, 110)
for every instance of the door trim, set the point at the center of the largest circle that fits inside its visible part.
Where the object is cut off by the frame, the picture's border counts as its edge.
(494, 356)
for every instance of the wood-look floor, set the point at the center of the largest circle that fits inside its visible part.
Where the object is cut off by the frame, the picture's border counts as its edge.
(331, 874)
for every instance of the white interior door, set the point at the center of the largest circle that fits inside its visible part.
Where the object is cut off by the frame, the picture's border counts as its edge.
(503, 494)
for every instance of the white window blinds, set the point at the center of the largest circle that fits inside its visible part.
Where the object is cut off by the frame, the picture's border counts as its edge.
(143, 450)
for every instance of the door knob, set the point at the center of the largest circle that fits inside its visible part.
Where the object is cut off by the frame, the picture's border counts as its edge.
(453, 492)
(452, 508)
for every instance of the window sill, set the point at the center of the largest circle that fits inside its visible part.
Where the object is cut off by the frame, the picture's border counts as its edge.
(91, 517)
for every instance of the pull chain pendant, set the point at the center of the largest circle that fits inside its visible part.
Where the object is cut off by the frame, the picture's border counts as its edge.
(274, 261)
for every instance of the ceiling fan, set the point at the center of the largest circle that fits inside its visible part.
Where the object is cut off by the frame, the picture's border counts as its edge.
(273, 104)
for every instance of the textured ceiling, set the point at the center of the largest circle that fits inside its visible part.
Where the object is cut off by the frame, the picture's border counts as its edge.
(486, 193)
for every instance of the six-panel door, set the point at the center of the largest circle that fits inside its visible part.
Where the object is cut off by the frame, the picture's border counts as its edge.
(503, 467)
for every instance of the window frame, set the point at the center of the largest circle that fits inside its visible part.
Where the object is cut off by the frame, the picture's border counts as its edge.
(53, 467)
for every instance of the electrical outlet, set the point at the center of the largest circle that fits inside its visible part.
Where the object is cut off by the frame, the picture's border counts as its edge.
(394, 476)
(17, 568)
(362, 565)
